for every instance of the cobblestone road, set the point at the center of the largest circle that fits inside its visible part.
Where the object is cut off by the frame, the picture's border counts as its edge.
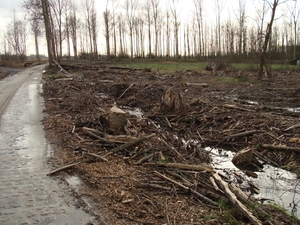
(27, 195)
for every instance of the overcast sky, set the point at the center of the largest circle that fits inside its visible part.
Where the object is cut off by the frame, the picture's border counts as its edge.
(186, 7)
(6, 12)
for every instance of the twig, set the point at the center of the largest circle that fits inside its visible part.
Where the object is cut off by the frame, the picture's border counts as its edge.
(173, 149)
(145, 158)
(125, 91)
(129, 144)
(97, 156)
(155, 186)
(292, 127)
(63, 168)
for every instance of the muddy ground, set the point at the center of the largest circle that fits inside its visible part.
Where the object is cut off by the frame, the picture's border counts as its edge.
(179, 115)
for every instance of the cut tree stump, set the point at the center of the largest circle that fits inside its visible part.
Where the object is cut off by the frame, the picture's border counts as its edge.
(243, 157)
(117, 119)
(172, 101)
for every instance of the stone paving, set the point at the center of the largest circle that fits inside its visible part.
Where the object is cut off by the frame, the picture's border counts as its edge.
(27, 195)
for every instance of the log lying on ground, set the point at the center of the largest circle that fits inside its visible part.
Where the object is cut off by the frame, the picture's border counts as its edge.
(243, 134)
(281, 147)
(232, 197)
(244, 198)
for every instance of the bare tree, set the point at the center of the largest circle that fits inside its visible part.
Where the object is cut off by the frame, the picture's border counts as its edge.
(49, 32)
(58, 7)
(67, 27)
(122, 31)
(36, 28)
(175, 13)
(16, 37)
(199, 18)
(168, 34)
(73, 24)
(263, 52)
(91, 21)
(149, 23)
(155, 10)
(95, 29)
(294, 9)
(35, 17)
(241, 18)
(109, 25)
(131, 7)
(219, 4)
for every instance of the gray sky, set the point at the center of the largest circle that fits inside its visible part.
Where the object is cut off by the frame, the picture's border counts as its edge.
(6, 13)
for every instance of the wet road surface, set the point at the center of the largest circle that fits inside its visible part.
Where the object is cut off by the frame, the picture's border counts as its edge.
(27, 195)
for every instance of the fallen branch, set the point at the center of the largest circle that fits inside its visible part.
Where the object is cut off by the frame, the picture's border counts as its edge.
(257, 207)
(202, 168)
(104, 137)
(281, 147)
(145, 158)
(232, 197)
(97, 156)
(61, 69)
(173, 149)
(155, 186)
(237, 107)
(187, 189)
(243, 134)
(63, 168)
(94, 133)
(292, 127)
(125, 91)
(129, 144)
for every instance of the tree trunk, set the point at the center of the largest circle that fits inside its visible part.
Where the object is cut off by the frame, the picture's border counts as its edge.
(265, 45)
(49, 35)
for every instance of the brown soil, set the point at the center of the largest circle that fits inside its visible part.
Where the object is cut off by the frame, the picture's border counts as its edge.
(212, 107)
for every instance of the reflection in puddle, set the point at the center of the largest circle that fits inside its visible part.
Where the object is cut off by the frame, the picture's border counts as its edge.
(293, 109)
(275, 184)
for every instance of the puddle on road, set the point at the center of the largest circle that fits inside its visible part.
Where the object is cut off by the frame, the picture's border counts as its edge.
(276, 185)
(77, 216)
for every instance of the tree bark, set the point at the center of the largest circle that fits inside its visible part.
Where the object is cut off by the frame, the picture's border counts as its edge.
(263, 53)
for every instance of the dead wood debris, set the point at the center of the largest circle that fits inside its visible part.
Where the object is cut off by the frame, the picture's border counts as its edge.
(161, 137)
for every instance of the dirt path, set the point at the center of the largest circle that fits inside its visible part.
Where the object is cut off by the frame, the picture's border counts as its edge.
(27, 195)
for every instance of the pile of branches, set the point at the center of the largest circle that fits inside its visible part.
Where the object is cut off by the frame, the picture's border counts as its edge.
(155, 169)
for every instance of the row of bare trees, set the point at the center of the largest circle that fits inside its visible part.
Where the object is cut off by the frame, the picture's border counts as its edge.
(154, 28)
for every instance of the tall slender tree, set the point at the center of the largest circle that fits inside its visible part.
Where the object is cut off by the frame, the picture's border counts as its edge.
(131, 8)
(273, 5)
(176, 23)
(293, 7)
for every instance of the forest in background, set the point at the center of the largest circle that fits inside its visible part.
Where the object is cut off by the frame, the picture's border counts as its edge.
(235, 30)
